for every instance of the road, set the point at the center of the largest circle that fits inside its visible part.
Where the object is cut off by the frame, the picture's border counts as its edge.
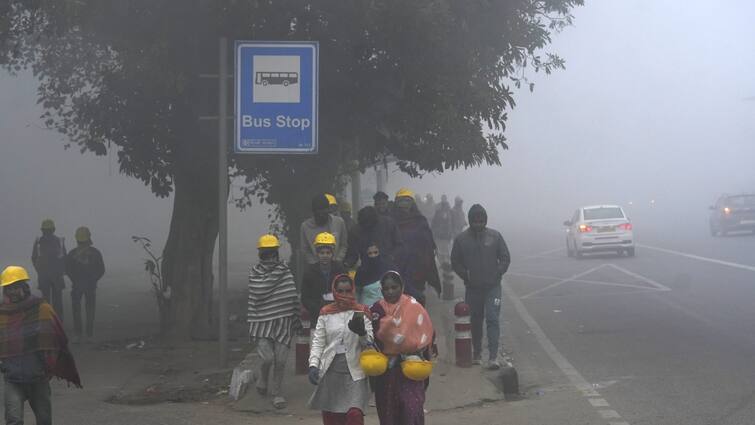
(663, 338)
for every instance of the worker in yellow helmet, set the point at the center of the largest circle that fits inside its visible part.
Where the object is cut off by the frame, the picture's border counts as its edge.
(322, 221)
(317, 278)
(48, 258)
(418, 262)
(33, 349)
(332, 203)
(84, 266)
(273, 316)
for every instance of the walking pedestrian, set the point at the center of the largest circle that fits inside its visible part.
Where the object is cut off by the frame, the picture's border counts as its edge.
(373, 228)
(84, 266)
(322, 221)
(459, 217)
(418, 267)
(48, 258)
(480, 258)
(33, 349)
(404, 333)
(273, 315)
(381, 203)
(372, 267)
(343, 331)
(442, 226)
(317, 281)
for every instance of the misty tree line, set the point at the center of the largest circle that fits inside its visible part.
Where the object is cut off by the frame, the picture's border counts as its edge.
(428, 82)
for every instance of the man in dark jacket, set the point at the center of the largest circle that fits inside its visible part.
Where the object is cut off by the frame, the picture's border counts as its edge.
(33, 348)
(373, 229)
(48, 257)
(382, 204)
(84, 266)
(480, 258)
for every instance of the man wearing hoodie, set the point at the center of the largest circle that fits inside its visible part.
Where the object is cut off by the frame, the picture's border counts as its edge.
(322, 221)
(480, 258)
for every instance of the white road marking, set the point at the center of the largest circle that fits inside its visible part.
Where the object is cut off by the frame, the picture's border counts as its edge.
(598, 402)
(609, 414)
(700, 258)
(638, 276)
(562, 281)
(571, 373)
(576, 278)
(542, 254)
(597, 282)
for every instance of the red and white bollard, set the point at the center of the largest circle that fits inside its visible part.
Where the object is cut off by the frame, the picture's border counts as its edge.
(463, 338)
(302, 345)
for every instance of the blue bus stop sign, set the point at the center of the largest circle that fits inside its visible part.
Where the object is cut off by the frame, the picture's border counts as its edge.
(276, 97)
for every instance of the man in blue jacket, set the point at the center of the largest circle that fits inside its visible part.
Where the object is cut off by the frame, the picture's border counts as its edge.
(480, 258)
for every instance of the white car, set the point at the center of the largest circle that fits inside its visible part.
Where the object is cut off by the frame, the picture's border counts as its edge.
(599, 228)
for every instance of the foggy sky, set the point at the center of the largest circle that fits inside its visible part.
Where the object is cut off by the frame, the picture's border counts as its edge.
(651, 106)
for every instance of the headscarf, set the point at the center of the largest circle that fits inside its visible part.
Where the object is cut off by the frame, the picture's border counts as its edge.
(371, 270)
(343, 302)
(406, 327)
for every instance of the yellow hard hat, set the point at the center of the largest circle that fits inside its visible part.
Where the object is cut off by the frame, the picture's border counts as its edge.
(13, 274)
(331, 199)
(268, 241)
(352, 274)
(404, 192)
(417, 370)
(83, 234)
(325, 238)
(373, 363)
(48, 224)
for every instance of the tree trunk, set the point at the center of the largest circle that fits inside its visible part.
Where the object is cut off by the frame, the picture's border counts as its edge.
(188, 253)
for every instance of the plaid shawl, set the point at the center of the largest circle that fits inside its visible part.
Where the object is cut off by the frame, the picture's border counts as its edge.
(31, 326)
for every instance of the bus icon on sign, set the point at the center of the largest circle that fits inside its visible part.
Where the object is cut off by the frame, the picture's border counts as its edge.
(276, 78)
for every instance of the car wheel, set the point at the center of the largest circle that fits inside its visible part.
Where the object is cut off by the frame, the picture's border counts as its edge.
(630, 252)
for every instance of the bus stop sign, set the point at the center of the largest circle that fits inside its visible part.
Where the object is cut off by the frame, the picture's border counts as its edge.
(276, 97)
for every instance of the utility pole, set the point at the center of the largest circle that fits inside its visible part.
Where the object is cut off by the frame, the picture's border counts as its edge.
(223, 200)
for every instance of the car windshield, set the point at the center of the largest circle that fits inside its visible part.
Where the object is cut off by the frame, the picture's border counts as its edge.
(741, 201)
(603, 213)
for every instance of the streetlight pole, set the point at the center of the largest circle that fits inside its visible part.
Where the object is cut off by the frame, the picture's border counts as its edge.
(223, 200)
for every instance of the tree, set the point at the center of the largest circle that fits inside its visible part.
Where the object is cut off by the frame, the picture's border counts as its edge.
(427, 81)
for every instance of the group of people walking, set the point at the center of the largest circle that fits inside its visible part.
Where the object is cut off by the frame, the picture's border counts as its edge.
(363, 286)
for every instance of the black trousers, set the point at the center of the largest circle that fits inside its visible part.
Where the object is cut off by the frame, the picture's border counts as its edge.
(52, 291)
(88, 291)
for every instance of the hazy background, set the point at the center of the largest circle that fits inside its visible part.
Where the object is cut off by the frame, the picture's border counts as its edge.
(653, 105)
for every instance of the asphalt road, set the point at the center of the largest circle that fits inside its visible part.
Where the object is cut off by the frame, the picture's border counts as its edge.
(667, 337)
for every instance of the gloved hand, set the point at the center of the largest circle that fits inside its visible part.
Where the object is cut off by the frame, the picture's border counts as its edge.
(314, 375)
(356, 325)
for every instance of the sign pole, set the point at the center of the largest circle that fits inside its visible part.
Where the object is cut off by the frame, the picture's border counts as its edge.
(223, 200)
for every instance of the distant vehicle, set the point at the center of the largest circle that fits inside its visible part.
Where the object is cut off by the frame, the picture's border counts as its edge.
(277, 78)
(733, 213)
(599, 228)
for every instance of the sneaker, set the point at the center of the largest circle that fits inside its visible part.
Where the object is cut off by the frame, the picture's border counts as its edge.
(493, 365)
(279, 403)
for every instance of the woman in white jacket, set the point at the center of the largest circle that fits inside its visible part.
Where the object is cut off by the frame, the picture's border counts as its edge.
(344, 329)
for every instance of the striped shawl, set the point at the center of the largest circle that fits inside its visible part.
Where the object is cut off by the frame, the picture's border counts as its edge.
(273, 302)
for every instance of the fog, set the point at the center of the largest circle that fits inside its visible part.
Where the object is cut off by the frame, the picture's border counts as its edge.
(653, 105)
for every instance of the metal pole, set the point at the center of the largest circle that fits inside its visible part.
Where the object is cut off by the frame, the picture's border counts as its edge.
(223, 200)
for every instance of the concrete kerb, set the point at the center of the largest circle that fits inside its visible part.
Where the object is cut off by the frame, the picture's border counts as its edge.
(450, 387)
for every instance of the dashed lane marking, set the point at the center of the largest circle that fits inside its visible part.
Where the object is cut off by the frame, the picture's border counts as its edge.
(700, 258)
(571, 373)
